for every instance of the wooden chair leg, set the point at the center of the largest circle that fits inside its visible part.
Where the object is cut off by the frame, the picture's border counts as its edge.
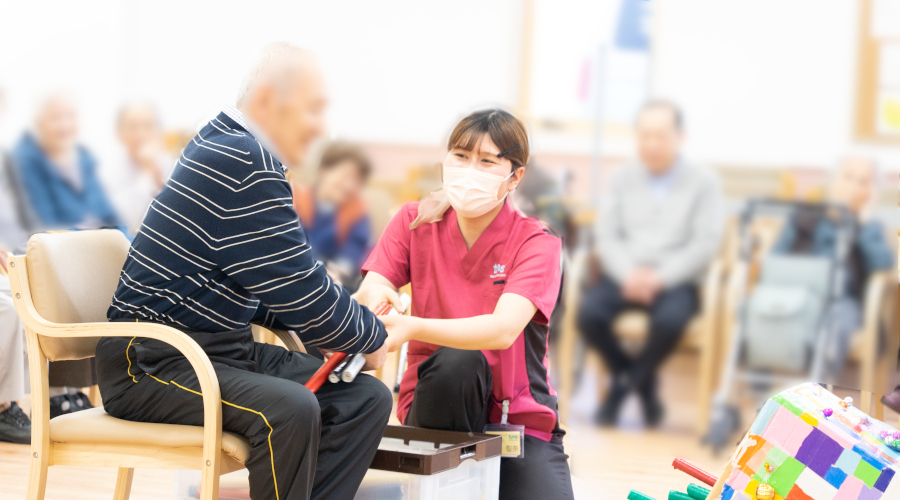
(94, 395)
(123, 483)
(209, 484)
(37, 481)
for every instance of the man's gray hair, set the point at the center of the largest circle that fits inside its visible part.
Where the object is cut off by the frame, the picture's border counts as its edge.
(272, 62)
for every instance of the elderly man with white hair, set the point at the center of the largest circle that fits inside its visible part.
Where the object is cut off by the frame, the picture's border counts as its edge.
(221, 247)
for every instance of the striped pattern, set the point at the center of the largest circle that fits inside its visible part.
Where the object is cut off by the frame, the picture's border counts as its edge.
(221, 245)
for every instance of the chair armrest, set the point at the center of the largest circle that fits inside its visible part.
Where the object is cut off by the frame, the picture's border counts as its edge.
(288, 340)
(206, 376)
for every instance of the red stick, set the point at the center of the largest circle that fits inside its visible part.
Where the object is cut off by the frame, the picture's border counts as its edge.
(321, 374)
(318, 378)
(694, 471)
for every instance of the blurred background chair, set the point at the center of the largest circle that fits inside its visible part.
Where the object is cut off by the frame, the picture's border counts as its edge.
(62, 288)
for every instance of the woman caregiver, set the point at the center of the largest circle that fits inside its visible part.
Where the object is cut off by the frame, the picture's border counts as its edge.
(484, 283)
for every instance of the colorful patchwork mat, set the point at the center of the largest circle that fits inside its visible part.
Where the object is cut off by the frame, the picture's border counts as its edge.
(807, 443)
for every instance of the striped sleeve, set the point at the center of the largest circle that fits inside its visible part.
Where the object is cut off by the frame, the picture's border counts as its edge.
(262, 248)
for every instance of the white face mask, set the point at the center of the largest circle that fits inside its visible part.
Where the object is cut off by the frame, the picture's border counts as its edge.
(472, 192)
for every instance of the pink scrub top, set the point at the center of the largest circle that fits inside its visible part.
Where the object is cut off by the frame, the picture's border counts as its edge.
(515, 254)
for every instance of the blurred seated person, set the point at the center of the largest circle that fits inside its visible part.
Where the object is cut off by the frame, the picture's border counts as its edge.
(61, 187)
(541, 197)
(139, 175)
(59, 175)
(660, 226)
(812, 232)
(15, 426)
(333, 213)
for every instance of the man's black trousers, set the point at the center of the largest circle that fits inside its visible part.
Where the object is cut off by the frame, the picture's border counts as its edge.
(669, 314)
(303, 445)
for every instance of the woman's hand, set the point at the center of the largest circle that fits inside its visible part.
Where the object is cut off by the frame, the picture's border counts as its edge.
(373, 295)
(400, 329)
(431, 209)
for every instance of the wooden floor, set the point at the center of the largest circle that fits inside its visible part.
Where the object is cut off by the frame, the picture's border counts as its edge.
(606, 464)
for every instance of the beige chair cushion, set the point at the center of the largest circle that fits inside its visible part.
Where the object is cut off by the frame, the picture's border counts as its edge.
(95, 426)
(635, 325)
(73, 276)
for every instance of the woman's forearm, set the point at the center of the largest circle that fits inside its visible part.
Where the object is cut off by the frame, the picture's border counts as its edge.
(487, 332)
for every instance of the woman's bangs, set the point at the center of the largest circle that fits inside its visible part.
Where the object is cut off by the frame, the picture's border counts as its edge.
(468, 139)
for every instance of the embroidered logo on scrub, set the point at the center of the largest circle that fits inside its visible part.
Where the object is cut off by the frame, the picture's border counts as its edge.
(499, 271)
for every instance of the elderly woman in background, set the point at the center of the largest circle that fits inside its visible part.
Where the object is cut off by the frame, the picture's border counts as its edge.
(61, 187)
(59, 176)
(333, 214)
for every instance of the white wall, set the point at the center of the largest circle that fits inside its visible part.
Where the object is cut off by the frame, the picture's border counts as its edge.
(400, 71)
(767, 82)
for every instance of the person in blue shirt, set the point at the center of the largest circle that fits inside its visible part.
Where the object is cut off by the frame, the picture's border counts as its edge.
(812, 233)
(58, 175)
(333, 214)
(60, 188)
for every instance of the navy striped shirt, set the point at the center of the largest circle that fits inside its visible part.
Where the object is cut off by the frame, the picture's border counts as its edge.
(221, 246)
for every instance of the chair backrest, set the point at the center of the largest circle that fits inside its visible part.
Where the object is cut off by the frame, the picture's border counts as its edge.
(73, 276)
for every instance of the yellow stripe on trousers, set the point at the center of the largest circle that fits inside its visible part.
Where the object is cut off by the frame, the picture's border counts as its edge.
(176, 384)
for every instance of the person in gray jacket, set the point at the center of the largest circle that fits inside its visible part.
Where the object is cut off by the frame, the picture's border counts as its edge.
(660, 225)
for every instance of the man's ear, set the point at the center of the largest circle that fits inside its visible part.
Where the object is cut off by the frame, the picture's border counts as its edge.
(261, 99)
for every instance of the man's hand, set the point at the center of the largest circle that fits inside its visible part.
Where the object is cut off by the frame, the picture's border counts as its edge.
(652, 286)
(400, 329)
(431, 209)
(642, 286)
(374, 294)
(375, 359)
(633, 285)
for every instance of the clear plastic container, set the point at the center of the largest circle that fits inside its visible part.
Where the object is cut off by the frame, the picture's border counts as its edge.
(411, 464)
(470, 480)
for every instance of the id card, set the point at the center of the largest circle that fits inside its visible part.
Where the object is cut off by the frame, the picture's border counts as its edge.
(512, 439)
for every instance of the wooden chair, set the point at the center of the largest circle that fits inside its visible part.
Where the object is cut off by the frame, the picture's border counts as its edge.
(701, 334)
(62, 288)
